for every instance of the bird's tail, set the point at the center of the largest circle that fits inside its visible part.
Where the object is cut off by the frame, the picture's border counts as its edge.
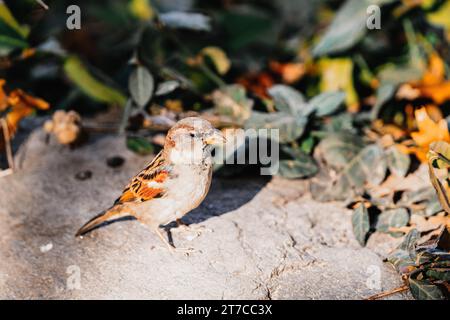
(112, 213)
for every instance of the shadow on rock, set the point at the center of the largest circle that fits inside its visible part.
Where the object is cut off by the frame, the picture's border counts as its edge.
(226, 195)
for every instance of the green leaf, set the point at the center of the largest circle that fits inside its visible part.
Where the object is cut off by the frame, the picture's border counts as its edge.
(402, 261)
(12, 35)
(360, 223)
(78, 73)
(394, 218)
(417, 196)
(442, 274)
(245, 26)
(404, 256)
(141, 85)
(140, 145)
(290, 128)
(166, 87)
(7, 18)
(326, 103)
(425, 290)
(368, 167)
(301, 166)
(347, 28)
(8, 44)
(398, 162)
(296, 169)
(186, 20)
(340, 148)
(384, 93)
(410, 240)
(289, 100)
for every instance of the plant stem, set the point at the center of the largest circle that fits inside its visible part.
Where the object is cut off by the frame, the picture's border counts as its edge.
(126, 115)
(7, 138)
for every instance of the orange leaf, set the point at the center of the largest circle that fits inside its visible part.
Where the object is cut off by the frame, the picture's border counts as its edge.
(433, 84)
(429, 131)
(257, 83)
(20, 98)
(439, 93)
(3, 96)
(435, 74)
(290, 72)
(13, 118)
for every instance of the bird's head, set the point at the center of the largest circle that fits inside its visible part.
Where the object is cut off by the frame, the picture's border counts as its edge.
(191, 140)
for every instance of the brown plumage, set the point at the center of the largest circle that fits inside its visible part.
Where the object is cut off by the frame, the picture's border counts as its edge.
(175, 182)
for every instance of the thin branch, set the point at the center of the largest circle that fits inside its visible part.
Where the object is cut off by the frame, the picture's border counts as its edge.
(388, 293)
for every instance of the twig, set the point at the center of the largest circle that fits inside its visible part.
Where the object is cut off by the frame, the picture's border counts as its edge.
(7, 138)
(388, 293)
(42, 4)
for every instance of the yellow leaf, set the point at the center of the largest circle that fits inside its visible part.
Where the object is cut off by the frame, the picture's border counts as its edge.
(441, 18)
(337, 74)
(175, 105)
(142, 9)
(81, 76)
(218, 57)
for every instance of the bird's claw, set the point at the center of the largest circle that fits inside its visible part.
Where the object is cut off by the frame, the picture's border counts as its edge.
(198, 230)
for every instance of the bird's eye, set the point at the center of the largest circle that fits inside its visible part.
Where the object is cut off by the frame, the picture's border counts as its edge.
(192, 135)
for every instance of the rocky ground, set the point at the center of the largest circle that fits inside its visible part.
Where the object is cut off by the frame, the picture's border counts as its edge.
(255, 238)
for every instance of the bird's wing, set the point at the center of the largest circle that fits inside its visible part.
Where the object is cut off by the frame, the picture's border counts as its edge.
(147, 184)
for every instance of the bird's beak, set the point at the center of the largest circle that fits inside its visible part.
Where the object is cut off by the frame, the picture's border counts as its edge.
(215, 138)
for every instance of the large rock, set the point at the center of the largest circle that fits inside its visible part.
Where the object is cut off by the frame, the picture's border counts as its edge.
(261, 238)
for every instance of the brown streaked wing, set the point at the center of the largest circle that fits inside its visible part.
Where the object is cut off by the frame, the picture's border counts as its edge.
(148, 184)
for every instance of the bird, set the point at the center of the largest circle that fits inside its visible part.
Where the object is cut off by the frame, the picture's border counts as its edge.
(174, 183)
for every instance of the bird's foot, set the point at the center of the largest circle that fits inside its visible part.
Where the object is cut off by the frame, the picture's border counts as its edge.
(196, 229)
(186, 251)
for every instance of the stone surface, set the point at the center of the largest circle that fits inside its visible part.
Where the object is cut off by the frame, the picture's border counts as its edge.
(260, 238)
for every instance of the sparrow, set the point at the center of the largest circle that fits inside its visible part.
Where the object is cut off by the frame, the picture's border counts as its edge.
(175, 182)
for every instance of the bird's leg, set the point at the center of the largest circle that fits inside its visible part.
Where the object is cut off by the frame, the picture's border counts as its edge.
(170, 246)
(166, 242)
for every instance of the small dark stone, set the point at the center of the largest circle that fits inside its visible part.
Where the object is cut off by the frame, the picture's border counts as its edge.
(83, 175)
(115, 162)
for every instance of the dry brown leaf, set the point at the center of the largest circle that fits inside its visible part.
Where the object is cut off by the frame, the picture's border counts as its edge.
(258, 83)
